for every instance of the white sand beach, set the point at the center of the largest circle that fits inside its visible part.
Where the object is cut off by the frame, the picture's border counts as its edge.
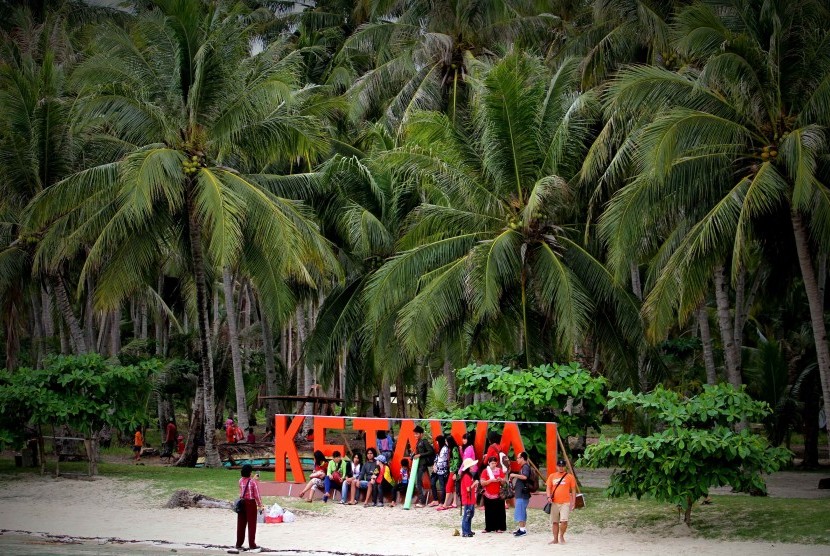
(106, 511)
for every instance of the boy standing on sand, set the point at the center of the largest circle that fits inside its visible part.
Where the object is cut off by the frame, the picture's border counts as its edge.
(138, 444)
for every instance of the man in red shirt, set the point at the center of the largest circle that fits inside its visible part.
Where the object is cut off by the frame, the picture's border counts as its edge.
(170, 436)
(561, 491)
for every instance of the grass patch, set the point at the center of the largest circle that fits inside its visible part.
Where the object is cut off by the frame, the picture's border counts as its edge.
(729, 517)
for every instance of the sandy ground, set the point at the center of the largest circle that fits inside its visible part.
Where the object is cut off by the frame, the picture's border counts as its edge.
(106, 512)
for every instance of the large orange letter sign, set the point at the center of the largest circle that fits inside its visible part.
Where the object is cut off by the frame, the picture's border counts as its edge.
(284, 447)
(320, 426)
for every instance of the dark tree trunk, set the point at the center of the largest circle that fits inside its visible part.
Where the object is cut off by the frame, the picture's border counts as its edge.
(731, 350)
(236, 350)
(270, 364)
(808, 275)
(191, 447)
(65, 308)
(205, 353)
(706, 342)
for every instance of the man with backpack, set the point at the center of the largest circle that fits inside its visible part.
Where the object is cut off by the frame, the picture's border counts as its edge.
(524, 482)
(425, 455)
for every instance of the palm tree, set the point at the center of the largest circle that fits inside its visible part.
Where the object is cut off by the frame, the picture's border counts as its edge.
(736, 139)
(415, 55)
(191, 110)
(494, 243)
(363, 207)
(36, 151)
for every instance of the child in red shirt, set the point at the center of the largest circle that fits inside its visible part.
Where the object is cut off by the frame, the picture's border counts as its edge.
(468, 497)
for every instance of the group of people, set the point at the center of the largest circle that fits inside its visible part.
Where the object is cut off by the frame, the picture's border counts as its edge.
(234, 433)
(455, 475)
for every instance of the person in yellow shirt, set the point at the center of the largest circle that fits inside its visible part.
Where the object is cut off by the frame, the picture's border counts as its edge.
(561, 491)
(138, 444)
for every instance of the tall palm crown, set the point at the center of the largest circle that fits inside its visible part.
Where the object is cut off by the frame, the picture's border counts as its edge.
(414, 54)
(494, 242)
(189, 112)
(36, 148)
(737, 135)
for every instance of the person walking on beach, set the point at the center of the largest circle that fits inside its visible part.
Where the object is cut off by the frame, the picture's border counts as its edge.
(251, 504)
(561, 491)
(138, 444)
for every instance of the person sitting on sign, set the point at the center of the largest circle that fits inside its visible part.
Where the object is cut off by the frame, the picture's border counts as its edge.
(317, 476)
(352, 471)
(365, 476)
(382, 482)
(403, 480)
(335, 475)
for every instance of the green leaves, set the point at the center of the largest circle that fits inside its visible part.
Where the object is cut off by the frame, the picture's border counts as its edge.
(697, 450)
(84, 392)
(536, 394)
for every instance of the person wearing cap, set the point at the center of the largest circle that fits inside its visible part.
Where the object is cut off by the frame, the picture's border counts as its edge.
(425, 455)
(382, 481)
(561, 491)
(468, 496)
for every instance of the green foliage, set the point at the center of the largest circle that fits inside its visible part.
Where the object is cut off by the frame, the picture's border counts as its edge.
(697, 449)
(84, 392)
(537, 394)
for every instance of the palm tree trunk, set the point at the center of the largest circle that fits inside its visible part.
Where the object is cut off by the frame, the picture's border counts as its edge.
(191, 447)
(115, 332)
(816, 308)
(449, 374)
(65, 308)
(143, 317)
(236, 351)
(48, 318)
(731, 353)
(637, 289)
(158, 318)
(525, 334)
(308, 382)
(270, 364)
(12, 318)
(89, 314)
(38, 335)
(385, 398)
(216, 317)
(706, 340)
(205, 354)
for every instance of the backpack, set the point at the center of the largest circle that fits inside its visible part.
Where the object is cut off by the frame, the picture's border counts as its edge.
(429, 456)
(532, 482)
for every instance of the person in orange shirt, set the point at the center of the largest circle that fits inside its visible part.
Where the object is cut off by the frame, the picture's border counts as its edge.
(561, 491)
(138, 444)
